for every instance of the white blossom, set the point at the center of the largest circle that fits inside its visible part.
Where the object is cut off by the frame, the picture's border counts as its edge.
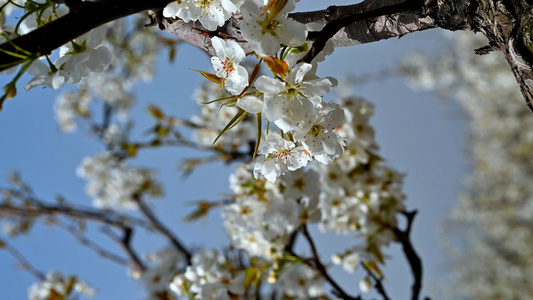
(318, 135)
(226, 64)
(264, 33)
(112, 184)
(301, 282)
(278, 156)
(77, 59)
(210, 13)
(291, 102)
(209, 276)
(56, 284)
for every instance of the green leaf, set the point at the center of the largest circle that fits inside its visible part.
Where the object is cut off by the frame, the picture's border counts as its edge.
(156, 112)
(251, 275)
(201, 211)
(259, 120)
(236, 120)
(221, 99)
(131, 149)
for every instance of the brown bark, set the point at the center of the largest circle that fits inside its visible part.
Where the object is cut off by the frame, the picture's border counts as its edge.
(508, 25)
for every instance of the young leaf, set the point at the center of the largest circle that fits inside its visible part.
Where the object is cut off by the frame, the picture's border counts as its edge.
(236, 120)
(276, 65)
(259, 126)
(211, 77)
(156, 112)
(251, 275)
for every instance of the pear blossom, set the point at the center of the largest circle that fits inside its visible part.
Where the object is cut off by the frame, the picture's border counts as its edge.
(261, 227)
(112, 183)
(210, 13)
(294, 100)
(210, 276)
(161, 271)
(301, 282)
(318, 136)
(37, 19)
(9, 6)
(77, 59)
(250, 104)
(279, 156)
(68, 107)
(56, 285)
(226, 64)
(365, 285)
(265, 33)
(87, 51)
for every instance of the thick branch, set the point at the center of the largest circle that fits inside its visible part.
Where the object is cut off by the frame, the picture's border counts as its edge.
(383, 18)
(79, 20)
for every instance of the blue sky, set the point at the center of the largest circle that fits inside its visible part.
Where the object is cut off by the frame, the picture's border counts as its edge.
(418, 135)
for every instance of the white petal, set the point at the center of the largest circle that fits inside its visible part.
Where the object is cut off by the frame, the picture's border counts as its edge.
(250, 104)
(293, 33)
(219, 45)
(269, 85)
(96, 37)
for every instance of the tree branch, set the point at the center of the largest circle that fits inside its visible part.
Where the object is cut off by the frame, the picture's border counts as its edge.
(321, 269)
(92, 245)
(106, 217)
(381, 22)
(413, 259)
(334, 26)
(24, 263)
(81, 19)
(125, 243)
(161, 228)
(378, 283)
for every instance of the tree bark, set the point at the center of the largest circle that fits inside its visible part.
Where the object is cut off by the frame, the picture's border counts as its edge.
(508, 24)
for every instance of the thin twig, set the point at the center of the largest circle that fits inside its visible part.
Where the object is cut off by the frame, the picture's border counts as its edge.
(158, 225)
(78, 234)
(317, 264)
(24, 263)
(125, 243)
(378, 283)
(40, 208)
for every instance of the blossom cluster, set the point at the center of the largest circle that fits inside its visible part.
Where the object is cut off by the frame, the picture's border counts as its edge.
(209, 276)
(57, 286)
(162, 268)
(291, 100)
(113, 184)
(354, 193)
(77, 59)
